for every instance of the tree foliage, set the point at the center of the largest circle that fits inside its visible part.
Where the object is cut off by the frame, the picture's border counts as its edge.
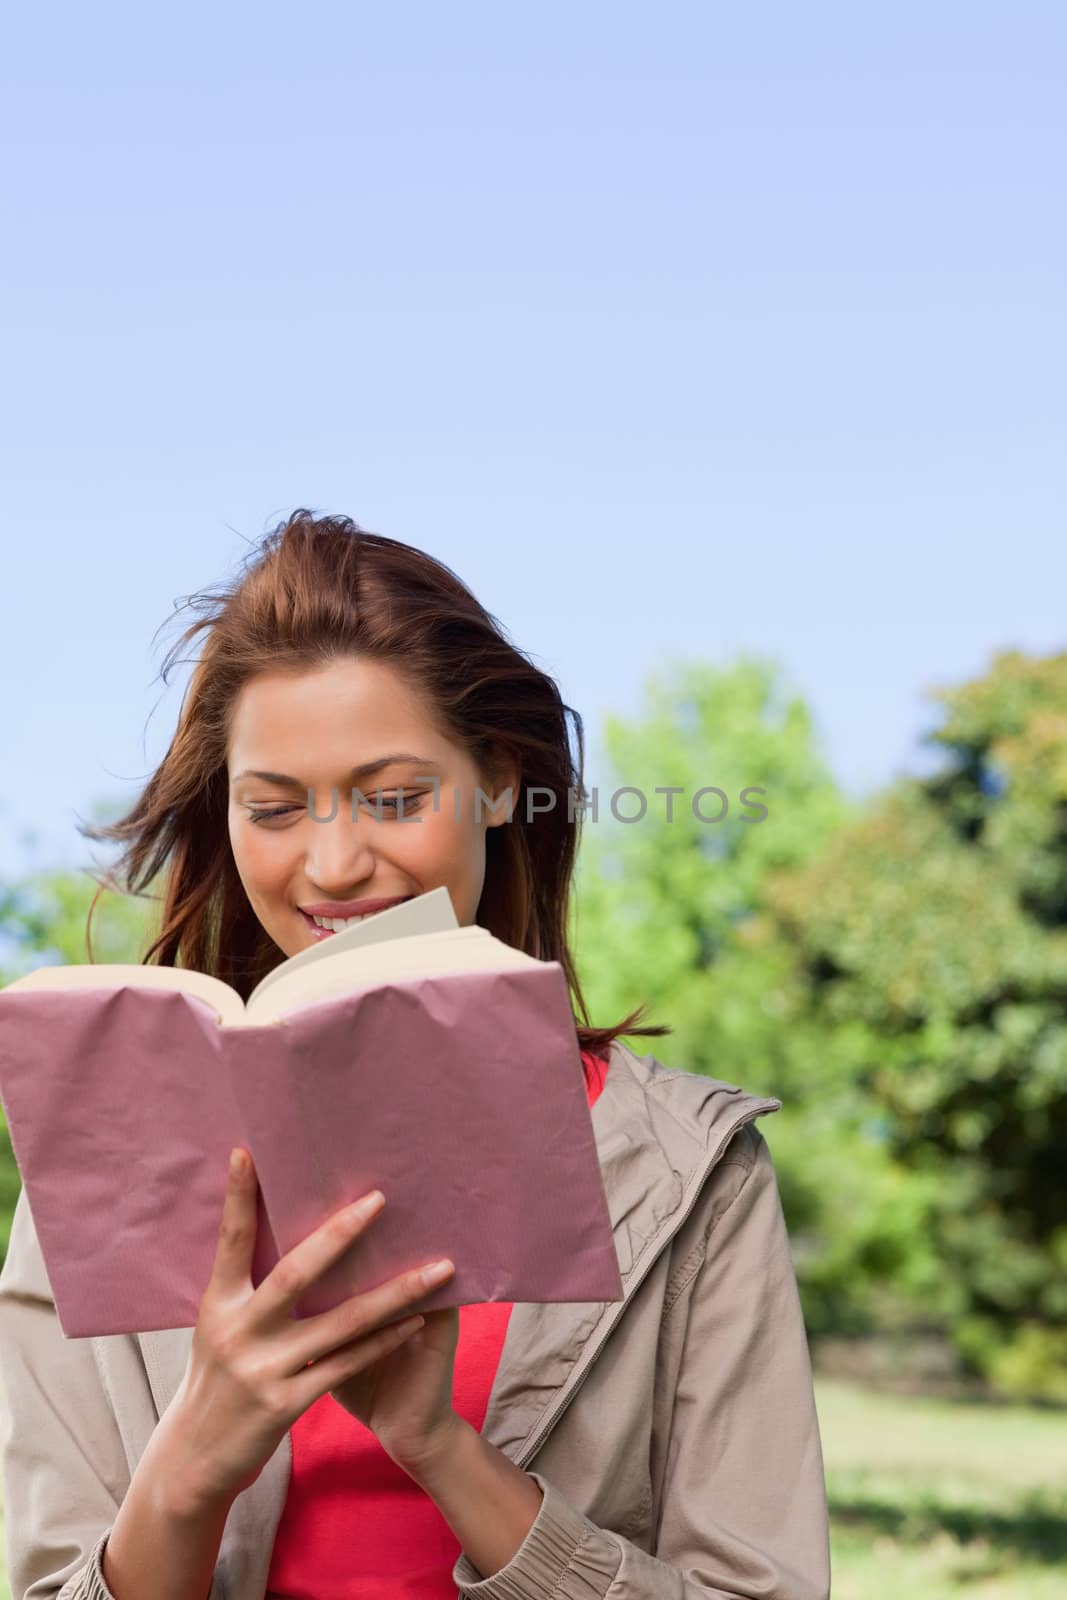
(938, 927)
(894, 971)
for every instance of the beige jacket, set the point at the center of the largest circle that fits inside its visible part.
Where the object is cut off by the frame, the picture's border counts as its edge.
(673, 1433)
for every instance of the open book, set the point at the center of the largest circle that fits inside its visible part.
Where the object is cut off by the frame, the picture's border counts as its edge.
(405, 1053)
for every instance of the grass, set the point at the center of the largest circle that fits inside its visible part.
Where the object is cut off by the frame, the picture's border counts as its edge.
(937, 1499)
(943, 1499)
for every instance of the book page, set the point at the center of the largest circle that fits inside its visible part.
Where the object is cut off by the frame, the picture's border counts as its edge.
(432, 912)
(294, 981)
(224, 1001)
(466, 949)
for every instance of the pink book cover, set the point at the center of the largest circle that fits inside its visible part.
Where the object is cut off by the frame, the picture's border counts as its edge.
(461, 1097)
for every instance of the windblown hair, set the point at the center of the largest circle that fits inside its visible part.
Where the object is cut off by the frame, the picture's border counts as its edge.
(316, 590)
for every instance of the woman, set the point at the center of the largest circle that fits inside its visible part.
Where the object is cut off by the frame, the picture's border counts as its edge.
(664, 1445)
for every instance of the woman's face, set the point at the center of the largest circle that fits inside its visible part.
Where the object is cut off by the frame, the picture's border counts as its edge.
(353, 725)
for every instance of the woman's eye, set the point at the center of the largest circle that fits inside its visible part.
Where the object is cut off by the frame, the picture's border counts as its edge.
(278, 811)
(392, 802)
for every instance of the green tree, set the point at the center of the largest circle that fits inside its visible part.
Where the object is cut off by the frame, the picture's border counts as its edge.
(677, 913)
(935, 931)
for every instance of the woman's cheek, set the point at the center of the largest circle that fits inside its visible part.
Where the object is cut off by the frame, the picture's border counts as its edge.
(263, 862)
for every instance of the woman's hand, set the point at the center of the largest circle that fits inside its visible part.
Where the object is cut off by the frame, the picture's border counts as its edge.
(253, 1370)
(405, 1398)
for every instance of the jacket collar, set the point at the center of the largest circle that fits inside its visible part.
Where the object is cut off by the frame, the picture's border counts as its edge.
(659, 1131)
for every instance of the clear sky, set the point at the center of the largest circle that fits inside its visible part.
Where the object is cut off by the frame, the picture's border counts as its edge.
(681, 329)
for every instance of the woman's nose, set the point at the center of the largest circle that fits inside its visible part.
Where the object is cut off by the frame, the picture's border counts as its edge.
(339, 852)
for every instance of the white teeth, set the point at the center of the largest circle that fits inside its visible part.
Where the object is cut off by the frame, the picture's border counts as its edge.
(337, 924)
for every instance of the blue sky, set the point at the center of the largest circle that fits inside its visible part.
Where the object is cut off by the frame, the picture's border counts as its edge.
(674, 330)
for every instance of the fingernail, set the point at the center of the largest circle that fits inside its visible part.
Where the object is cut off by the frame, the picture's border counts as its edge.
(369, 1204)
(438, 1272)
(238, 1163)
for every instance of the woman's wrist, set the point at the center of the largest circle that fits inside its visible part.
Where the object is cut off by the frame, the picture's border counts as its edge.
(166, 1537)
(183, 1492)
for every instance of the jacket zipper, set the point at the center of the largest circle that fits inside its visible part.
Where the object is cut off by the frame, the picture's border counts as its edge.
(593, 1347)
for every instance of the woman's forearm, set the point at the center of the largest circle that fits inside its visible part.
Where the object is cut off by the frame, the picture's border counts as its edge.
(162, 1547)
(489, 1503)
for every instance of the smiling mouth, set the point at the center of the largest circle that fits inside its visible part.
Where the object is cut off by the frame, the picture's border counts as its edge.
(328, 925)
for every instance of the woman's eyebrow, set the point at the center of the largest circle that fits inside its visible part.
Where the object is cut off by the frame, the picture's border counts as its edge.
(366, 769)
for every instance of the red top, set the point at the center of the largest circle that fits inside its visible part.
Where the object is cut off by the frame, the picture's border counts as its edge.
(349, 1508)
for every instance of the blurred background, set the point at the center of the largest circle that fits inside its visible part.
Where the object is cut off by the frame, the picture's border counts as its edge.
(722, 354)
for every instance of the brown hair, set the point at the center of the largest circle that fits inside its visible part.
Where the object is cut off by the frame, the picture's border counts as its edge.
(315, 590)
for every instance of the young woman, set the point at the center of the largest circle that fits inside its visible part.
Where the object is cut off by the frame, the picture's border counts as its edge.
(663, 1446)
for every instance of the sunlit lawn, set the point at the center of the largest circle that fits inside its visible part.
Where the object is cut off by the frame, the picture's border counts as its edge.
(932, 1499)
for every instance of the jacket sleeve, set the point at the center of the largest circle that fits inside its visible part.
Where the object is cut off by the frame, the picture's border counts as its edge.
(64, 1467)
(65, 1471)
(744, 1513)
